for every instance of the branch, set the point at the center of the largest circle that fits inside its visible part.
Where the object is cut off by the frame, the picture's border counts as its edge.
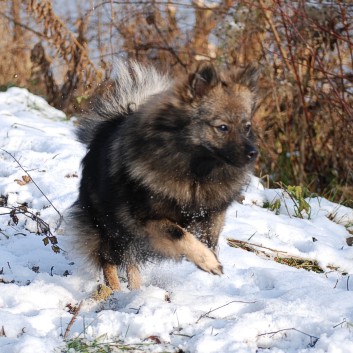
(170, 48)
(222, 306)
(42, 226)
(313, 339)
(72, 321)
(23, 26)
(19, 164)
(275, 33)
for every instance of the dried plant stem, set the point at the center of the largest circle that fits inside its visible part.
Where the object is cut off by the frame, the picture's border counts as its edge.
(73, 319)
(313, 339)
(222, 306)
(19, 164)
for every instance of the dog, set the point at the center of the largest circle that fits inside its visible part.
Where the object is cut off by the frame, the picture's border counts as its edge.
(164, 161)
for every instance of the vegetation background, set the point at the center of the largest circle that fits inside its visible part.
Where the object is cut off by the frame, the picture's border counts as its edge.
(63, 49)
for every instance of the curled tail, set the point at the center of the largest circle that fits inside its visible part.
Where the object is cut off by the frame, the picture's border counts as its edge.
(131, 85)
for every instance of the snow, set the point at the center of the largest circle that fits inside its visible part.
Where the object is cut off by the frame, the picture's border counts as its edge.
(258, 305)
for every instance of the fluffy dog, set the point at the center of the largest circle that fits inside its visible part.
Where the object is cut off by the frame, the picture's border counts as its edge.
(165, 159)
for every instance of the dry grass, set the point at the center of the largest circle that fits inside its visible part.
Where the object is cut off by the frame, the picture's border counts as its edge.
(277, 256)
(305, 52)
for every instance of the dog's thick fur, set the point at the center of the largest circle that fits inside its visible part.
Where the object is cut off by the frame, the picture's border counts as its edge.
(164, 162)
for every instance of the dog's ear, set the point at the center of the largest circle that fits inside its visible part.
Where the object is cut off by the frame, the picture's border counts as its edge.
(248, 76)
(203, 80)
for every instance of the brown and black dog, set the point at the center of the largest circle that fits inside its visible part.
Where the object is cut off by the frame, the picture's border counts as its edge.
(165, 160)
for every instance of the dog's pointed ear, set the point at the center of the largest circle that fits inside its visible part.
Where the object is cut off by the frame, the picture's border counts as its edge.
(249, 76)
(203, 80)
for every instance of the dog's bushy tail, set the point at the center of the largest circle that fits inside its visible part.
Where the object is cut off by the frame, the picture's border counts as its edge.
(131, 85)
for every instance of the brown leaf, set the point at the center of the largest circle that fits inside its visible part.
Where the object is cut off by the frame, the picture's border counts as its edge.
(35, 269)
(3, 201)
(14, 217)
(25, 180)
(167, 297)
(73, 175)
(72, 309)
(56, 249)
(23, 207)
(53, 240)
(349, 241)
(155, 339)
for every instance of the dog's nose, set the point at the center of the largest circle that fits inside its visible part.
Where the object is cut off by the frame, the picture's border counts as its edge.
(252, 154)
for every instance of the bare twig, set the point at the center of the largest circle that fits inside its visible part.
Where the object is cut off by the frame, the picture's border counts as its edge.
(340, 324)
(42, 226)
(170, 48)
(19, 164)
(234, 241)
(222, 306)
(313, 339)
(348, 283)
(40, 35)
(281, 257)
(72, 321)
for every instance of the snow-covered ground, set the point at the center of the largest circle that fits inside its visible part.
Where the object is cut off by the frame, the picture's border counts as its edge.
(258, 305)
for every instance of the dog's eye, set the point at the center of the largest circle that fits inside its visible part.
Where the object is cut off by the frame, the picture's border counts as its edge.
(223, 128)
(247, 127)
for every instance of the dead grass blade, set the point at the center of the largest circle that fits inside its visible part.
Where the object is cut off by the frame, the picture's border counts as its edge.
(281, 257)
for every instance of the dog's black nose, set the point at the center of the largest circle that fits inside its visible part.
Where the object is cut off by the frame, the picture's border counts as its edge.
(252, 154)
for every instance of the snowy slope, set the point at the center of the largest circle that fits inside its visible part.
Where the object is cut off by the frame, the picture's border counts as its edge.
(258, 305)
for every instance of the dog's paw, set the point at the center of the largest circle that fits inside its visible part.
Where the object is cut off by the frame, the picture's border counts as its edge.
(208, 262)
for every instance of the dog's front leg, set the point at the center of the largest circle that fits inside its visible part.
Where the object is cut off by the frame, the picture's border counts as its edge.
(171, 240)
(209, 229)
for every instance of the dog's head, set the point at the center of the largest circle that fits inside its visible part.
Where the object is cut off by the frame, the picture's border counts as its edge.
(220, 106)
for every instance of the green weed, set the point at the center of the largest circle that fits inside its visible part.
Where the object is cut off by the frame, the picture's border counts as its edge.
(298, 194)
(273, 206)
(101, 345)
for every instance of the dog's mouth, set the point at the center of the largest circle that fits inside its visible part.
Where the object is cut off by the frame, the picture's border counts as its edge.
(206, 158)
(247, 154)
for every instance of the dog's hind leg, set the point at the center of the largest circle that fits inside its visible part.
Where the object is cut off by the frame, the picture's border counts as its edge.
(133, 277)
(171, 240)
(110, 272)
